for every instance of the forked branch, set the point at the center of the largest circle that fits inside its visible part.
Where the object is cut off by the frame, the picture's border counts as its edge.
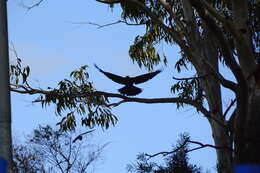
(201, 145)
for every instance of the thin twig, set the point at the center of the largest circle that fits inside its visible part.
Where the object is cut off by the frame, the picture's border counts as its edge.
(108, 24)
(191, 78)
(34, 5)
(165, 153)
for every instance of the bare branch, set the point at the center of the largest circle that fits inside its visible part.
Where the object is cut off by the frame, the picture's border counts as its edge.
(79, 137)
(224, 82)
(229, 107)
(193, 103)
(34, 5)
(191, 78)
(117, 103)
(155, 100)
(165, 153)
(208, 145)
(108, 24)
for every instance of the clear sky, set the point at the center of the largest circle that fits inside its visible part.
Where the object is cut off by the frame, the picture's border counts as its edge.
(52, 46)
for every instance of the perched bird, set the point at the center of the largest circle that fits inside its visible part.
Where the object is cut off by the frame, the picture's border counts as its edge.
(129, 89)
(80, 137)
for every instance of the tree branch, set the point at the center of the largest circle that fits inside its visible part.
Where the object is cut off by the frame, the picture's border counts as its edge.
(24, 90)
(125, 99)
(108, 24)
(193, 103)
(208, 145)
(224, 82)
(34, 5)
(165, 153)
(154, 100)
(229, 107)
(191, 78)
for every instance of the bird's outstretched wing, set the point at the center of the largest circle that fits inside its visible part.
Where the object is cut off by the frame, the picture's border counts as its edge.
(113, 77)
(144, 77)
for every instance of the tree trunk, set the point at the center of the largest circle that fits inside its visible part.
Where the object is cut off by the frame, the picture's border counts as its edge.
(5, 110)
(247, 149)
(224, 155)
(252, 130)
(204, 49)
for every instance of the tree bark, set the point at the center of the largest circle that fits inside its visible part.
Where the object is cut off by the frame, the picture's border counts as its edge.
(204, 49)
(250, 151)
(5, 109)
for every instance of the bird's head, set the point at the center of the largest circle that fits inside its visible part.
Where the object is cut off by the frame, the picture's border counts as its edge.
(127, 77)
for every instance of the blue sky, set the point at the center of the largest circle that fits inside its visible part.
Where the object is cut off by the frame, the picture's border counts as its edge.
(52, 46)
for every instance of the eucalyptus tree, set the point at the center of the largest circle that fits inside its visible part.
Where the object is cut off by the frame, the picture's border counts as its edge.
(208, 33)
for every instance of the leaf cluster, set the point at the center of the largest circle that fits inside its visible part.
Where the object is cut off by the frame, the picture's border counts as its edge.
(75, 95)
(18, 73)
(143, 51)
(188, 89)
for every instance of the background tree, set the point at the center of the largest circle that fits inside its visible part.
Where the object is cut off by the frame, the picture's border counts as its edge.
(25, 159)
(176, 161)
(50, 150)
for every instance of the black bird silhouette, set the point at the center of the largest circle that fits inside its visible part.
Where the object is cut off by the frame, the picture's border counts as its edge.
(80, 137)
(129, 89)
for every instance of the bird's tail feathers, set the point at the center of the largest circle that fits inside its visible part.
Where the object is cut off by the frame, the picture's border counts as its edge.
(130, 90)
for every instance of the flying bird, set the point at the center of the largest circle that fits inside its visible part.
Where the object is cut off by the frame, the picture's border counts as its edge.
(129, 89)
